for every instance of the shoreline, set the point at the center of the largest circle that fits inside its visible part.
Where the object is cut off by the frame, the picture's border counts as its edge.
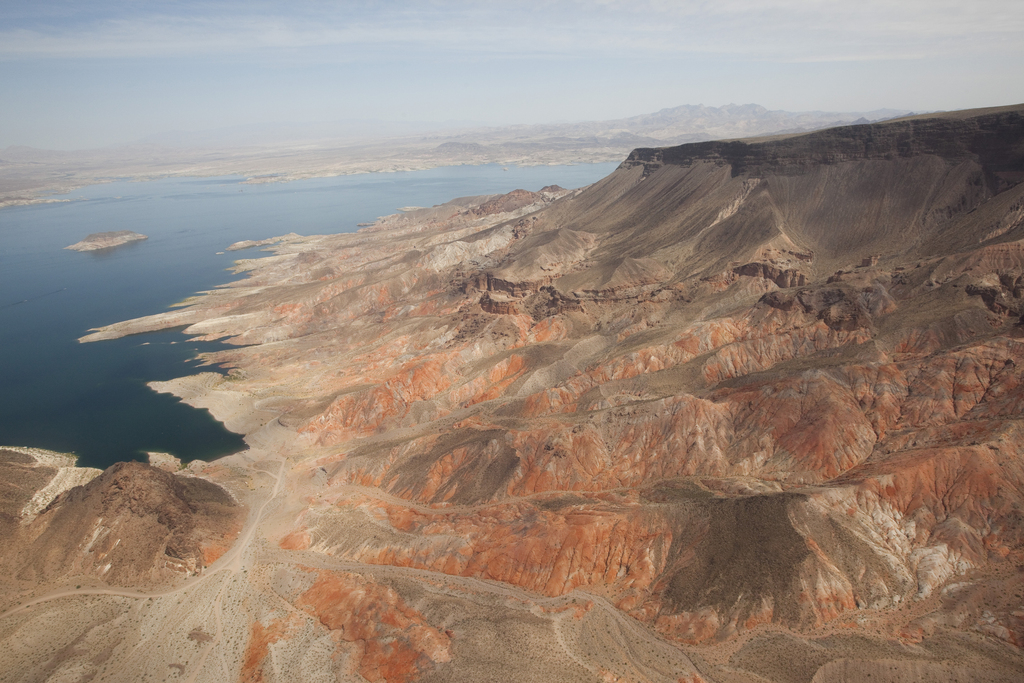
(9, 203)
(238, 411)
(53, 194)
(67, 476)
(185, 314)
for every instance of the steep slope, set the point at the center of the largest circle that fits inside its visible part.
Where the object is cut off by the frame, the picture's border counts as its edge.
(133, 525)
(740, 411)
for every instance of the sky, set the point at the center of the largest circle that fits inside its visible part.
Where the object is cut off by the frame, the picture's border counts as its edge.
(77, 75)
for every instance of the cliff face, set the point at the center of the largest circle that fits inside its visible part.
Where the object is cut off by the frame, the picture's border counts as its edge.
(735, 405)
(994, 139)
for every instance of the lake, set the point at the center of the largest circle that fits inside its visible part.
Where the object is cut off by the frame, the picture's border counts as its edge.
(92, 399)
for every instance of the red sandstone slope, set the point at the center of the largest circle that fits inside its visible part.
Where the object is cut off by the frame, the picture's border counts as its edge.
(761, 393)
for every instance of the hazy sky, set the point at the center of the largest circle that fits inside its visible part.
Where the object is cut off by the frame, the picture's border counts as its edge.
(80, 74)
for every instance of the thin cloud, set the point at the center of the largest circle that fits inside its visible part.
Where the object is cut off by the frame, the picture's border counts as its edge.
(780, 30)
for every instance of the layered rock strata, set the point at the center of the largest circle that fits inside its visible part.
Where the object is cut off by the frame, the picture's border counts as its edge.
(739, 411)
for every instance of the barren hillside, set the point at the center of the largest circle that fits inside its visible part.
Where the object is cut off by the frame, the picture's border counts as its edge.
(741, 411)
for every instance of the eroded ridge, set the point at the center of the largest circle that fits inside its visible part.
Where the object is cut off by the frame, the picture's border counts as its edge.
(740, 412)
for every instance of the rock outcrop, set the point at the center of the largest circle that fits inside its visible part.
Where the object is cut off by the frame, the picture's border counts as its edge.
(133, 525)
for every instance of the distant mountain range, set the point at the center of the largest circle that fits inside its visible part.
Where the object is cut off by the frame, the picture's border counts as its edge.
(278, 153)
(675, 125)
(694, 123)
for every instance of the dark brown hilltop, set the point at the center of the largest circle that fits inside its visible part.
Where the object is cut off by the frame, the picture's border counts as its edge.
(133, 525)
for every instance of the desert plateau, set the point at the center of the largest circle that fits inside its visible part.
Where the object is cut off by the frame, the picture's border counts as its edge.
(743, 410)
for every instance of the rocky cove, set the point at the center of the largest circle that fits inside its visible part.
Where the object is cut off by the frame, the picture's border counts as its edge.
(93, 400)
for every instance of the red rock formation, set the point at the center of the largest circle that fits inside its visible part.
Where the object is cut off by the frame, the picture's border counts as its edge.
(394, 642)
(541, 548)
(641, 415)
(258, 647)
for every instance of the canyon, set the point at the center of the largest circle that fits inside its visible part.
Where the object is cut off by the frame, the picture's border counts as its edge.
(741, 411)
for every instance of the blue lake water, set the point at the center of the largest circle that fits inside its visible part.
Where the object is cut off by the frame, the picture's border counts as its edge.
(92, 399)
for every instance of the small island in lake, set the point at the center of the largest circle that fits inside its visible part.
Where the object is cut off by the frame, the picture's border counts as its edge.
(107, 240)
